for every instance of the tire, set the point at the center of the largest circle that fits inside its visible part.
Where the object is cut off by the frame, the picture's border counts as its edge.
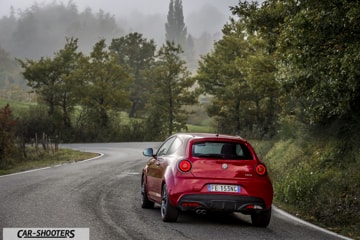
(261, 219)
(145, 202)
(168, 212)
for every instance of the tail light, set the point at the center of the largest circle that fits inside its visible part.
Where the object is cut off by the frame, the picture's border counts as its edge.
(184, 165)
(254, 207)
(260, 169)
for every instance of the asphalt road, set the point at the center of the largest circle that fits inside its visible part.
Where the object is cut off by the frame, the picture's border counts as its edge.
(103, 194)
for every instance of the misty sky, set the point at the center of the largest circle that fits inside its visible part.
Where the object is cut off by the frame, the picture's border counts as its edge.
(200, 15)
(121, 8)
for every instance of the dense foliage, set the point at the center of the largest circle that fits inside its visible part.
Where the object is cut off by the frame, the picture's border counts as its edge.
(171, 93)
(318, 181)
(83, 96)
(137, 54)
(51, 81)
(239, 75)
(314, 47)
(281, 64)
(101, 86)
(318, 51)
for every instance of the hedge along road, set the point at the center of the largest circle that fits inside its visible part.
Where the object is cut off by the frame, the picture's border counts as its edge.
(103, 194)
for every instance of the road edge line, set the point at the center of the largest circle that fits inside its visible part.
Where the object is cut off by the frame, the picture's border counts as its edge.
(296, 219)
(58, 165)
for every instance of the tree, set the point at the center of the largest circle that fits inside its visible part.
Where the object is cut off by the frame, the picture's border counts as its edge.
(43, 78)
(137, 54)
(102, 86)
(316, 45)
(171, 92)
(67, 61)
(219, 77)
(265, 20)
(238, 74)
(176, 31)
(51, 79)
(319, 48)
(258, 69)
(175, 27)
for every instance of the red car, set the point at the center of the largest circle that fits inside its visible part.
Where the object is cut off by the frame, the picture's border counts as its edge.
(206, 172)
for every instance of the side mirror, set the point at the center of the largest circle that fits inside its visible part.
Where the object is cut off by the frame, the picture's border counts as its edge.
(148, 152)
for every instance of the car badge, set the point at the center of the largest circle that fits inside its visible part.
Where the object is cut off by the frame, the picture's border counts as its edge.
(224, 166)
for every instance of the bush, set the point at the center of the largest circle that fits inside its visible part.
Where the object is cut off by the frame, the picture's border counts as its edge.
(318, 179)
(7, 134)
(133, 131)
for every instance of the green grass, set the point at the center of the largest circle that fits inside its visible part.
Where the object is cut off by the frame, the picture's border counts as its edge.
(317, 181)
(199, 129)
(16, 107)
(261, 147)
(39, 159)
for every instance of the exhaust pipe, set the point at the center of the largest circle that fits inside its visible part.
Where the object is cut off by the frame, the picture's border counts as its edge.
(200, 211)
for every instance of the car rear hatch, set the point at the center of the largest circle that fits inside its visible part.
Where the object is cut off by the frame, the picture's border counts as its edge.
(222, 160)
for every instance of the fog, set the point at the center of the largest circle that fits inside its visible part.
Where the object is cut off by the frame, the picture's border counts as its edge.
(31, 29)
(122, 7)
(200, 15)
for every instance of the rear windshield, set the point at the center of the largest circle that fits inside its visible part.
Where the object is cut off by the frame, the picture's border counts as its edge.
(224, 150)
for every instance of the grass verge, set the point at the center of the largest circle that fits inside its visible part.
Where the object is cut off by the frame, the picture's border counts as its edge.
(38, 159)
(316, 180)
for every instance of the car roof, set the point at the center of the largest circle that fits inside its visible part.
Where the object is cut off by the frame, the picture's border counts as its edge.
(210, 136)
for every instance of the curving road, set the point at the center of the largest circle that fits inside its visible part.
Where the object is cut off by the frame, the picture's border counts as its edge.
(103, 194)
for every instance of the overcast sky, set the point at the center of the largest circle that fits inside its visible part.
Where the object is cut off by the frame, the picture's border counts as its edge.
(121, 8)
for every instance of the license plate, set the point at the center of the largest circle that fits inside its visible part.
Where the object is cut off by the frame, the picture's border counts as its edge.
(223, 188)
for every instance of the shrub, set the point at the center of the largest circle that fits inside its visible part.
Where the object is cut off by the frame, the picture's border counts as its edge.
(7, 134)
(318, 179)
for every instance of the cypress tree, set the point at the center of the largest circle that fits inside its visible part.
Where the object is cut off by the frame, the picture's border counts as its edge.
(176, 30)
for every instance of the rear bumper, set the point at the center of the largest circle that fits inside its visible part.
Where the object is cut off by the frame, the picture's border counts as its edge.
(219, 202)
